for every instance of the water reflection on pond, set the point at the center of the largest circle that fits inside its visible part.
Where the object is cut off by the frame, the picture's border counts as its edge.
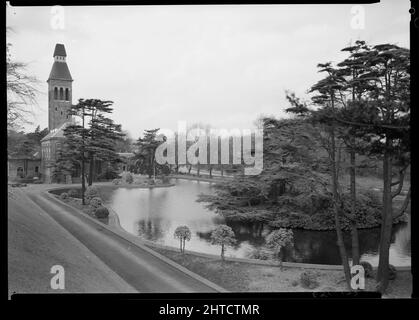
(154, 215)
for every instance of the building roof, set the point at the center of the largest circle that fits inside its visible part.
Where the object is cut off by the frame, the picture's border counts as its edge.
(34, 156)
(60, 71)
(59, 50)
(56, 133)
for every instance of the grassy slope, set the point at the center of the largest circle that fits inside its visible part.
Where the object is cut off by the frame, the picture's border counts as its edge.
(36, 243)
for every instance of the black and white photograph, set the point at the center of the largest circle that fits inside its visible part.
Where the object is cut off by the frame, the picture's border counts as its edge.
(172, 149)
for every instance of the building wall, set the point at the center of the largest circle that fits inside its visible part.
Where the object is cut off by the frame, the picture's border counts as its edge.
(29, 168)
(58, 107)
(124, 165)
(49, 149)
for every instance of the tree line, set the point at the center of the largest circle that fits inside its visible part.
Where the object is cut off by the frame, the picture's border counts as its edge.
(361, 107)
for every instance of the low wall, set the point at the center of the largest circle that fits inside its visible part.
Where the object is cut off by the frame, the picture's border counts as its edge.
(200, 178)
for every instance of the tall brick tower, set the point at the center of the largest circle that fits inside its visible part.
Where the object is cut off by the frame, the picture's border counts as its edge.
(59, 90)
(59, 103)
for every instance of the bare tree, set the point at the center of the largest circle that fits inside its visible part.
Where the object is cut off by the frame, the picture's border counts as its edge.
(21, 91)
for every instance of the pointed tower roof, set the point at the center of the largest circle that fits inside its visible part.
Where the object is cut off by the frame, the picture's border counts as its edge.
(60, 69)
(59, 50)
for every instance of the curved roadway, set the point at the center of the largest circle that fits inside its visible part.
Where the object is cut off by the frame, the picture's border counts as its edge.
(139, 267)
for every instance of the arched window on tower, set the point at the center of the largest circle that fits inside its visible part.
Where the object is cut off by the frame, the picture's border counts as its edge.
(67, 96)
(55, 93)
(61, 94)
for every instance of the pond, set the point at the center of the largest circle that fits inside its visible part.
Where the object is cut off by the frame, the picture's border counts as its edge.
(154, 214)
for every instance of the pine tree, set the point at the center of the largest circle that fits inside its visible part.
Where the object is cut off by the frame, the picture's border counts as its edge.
(350, 69)
(387, 73)
(328, 90)
(90, 141)
(145, 156)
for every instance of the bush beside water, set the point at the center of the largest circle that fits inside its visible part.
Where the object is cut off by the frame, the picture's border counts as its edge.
(95, 202)
(308, 279)
(116, 181)
(127, 177)
(73, 193)
(368, 271)
(64, 195)
(261, 254)
(392, 272)
(91, 192)
(101, 212)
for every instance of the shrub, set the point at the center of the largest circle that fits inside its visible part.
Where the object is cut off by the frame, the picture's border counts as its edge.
(309, 280)
(127, 177)
(369, 273)
(109, 174)
(73, 193)
(90, 193)
(89, 210)
(183, 234)
(262, 254)
(95, 202)
(392, 272)
(64, 195)
(101, 212)
(277, 240)
(116, 181)
(224, 236)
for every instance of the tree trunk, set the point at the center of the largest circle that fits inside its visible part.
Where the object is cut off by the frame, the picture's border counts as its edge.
(354, 229)
(198, 168)
(222, 171)
(222, 252)
(184, 241)
(281, 258)
(340, 242)
(210, 171)
(386, 223)
(355, 244)
(83, 184)
(260, 229)
(180, 240)
(91, 155)
(150, 167)
(91, 169)
(338, 160)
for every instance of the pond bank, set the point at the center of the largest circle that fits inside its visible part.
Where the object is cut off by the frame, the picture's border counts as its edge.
(262, 276)
(114, 222)
(154, 215)
(297, 221)
(214, 179)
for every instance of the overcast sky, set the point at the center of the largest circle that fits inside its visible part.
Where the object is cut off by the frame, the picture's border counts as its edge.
(218, 65)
